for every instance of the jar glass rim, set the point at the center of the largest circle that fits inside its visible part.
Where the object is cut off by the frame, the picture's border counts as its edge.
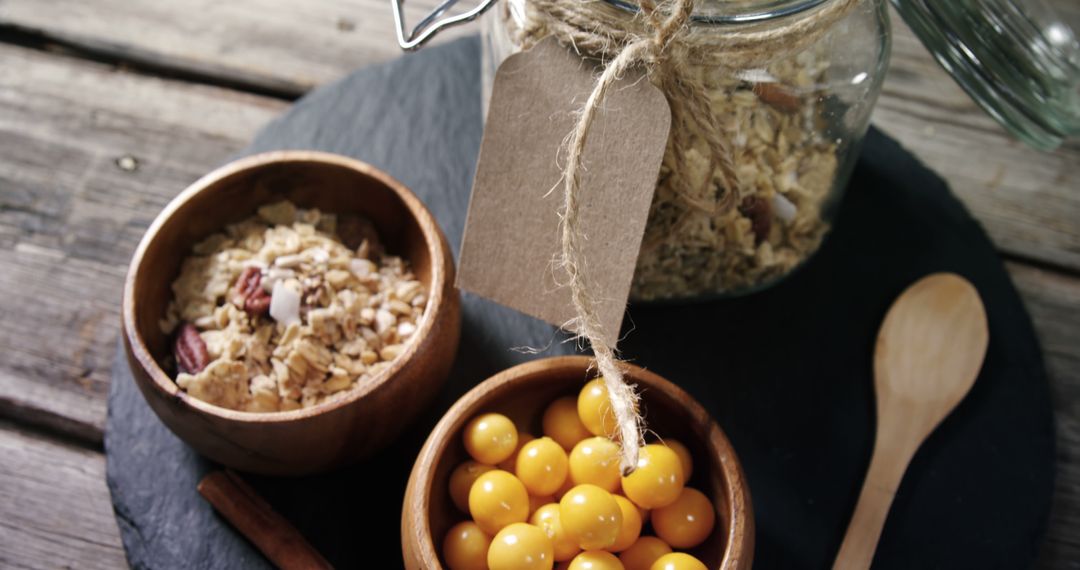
(742, 12)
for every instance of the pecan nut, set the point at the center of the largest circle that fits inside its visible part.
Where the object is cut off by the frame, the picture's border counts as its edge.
(778, 96)
(248, 293)
(190, 350)
(760, 213)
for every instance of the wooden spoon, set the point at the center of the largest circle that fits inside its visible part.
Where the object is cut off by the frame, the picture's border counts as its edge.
(929, 351)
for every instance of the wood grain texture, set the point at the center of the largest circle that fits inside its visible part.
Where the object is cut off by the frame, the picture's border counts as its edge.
(1054, 303)
(287, 47)
(54, 507)
(1027, 200)
(70, 216)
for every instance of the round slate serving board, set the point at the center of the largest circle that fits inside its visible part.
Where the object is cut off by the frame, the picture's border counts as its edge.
(786, 372)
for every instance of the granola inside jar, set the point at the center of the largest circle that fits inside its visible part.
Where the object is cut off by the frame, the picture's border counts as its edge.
(792, 114)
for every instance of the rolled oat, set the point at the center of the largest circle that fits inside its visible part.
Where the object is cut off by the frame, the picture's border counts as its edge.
(286, 313)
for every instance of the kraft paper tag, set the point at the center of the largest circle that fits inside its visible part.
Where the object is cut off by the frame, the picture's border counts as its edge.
(511, 241)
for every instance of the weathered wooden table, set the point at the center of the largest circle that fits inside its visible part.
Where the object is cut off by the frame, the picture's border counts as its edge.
(109, 107)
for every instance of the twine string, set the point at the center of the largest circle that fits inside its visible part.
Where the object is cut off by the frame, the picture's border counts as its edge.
(587, 323)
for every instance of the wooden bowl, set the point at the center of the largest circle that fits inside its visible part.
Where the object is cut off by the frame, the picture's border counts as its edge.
(522, 393)
(337, 431)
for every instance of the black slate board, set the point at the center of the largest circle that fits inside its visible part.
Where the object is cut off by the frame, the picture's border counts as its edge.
(786, 372)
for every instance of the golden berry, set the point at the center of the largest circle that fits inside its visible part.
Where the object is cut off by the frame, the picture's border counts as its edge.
(642, 554)
(466, 547)
(561, 423)
(596, 461)
(520, 546)
(547, 518)
(590, 516)
(631, 525)
(498, 499)
(658, 479)
(542, 466)
(687, 522)
(490, 438)
(678, 561)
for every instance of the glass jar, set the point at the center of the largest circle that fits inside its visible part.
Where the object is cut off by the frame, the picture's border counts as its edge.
(1018, 59)
(793, 122)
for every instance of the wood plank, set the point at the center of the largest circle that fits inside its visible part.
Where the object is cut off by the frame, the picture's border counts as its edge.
(1027, 200)
(54, 506)
(283, 46)
(70, 216)
(1055, 311)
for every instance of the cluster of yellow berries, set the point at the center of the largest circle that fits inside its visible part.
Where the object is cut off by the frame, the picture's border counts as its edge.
(534, 504)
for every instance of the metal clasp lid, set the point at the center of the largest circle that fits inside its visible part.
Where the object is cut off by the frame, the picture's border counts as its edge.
(431, 24)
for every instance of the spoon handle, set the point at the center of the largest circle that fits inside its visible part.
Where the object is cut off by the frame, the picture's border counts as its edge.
(887, 468)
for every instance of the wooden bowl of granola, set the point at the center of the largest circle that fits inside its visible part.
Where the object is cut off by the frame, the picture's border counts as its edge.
(522, 393)
(306, 303)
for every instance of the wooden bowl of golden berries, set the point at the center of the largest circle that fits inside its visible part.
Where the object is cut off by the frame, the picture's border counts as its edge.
(521, 473)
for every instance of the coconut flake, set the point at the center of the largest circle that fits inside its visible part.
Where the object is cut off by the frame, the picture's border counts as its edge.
(317, 254)
(285, 304)
(784, 209)
(288, 260)
(384, 320)
(362, 267)
(406, 329)
(759, 75)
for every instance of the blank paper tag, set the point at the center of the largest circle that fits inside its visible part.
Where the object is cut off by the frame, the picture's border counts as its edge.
(512, 232)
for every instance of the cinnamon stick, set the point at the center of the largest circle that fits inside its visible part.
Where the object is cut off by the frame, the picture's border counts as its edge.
(250, 514)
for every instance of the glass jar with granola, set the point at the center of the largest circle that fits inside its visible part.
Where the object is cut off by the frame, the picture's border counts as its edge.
(789, 85)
